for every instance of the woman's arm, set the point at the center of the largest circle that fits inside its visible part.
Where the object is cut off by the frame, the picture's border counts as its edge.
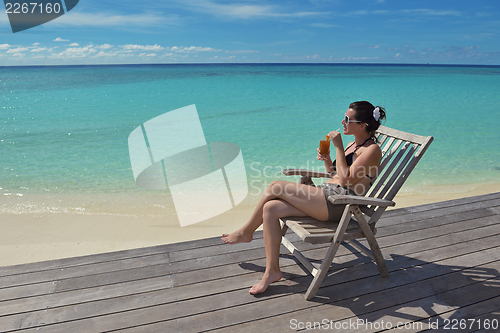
(327, 159)
(365, 162)
(341, 163)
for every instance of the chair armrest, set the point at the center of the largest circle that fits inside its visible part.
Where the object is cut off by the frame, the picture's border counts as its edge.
(358, 200)
(307, 173)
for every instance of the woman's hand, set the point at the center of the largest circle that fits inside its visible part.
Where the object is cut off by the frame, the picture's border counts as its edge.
(322, 157)
(336, 139)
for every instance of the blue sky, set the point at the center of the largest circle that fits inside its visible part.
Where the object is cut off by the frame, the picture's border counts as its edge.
(239, 31)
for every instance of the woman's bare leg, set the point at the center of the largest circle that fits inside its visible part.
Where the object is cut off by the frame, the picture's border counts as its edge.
(245, 233)
(305, 198)
(311, 203)
(273, 210)
(281, 199)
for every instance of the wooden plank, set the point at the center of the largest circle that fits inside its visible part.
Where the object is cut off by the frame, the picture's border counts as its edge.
(316, 232)
(196, 291)
(64, 284)
(75, 271)
(444, 306)
(457, 203)
(490, 320)
(238, 280)
(359, 200)
(143, 273)
(423, 284)
(435, 213)
(403, 135)
(164, 273)
(121, 264)
(349, 294)
(110, 256)
(459, 223)
(392, 158)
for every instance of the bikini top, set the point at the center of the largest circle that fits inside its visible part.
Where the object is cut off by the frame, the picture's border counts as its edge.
(349, 157)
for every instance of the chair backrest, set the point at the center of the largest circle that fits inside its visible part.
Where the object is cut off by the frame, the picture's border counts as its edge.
(401, 151)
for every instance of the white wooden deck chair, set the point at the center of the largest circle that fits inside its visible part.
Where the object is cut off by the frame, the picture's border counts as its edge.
(401, 152)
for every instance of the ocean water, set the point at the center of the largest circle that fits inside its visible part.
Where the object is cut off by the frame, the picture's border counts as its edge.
(64, 130)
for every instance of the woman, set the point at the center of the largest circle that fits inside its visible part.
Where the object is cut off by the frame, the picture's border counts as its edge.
(355, 167)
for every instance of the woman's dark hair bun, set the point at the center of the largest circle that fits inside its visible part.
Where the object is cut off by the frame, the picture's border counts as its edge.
(365, 113)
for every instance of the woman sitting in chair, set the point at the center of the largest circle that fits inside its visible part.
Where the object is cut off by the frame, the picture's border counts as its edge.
(355, 168)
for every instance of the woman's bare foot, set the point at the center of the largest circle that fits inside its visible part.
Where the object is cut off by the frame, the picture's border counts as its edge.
(236, 237)
(267, 279)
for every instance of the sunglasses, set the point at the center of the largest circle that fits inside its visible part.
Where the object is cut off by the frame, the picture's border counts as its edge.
(347, 120)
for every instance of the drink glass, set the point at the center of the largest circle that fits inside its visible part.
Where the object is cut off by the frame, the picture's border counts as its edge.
(324, 145)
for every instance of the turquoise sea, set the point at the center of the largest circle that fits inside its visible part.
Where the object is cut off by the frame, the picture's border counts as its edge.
(64, 129)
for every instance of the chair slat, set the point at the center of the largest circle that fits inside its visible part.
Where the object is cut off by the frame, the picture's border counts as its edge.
(413, 138)
(387, 146)
(416, 158)
(386, 158)
(398, 172)
(386, 170)
(381, 139)
(316, 232)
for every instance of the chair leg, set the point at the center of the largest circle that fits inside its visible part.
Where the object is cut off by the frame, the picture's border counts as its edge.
(332, 250)
(377, 254)
(284, 228)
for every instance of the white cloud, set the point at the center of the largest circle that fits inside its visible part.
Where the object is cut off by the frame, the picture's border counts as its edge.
(104, 19)
(351, 58)
(232, 10)
(74, 44)
(155, 47)
(35, 44)
(147, 54)
(40, 49)
(432, 12)
(59, 39)
(240, 11)
(75, 52)
(420, 12)
(107, 54)
(104, 46)
(17, 50)
(192, 49)
(4, 46)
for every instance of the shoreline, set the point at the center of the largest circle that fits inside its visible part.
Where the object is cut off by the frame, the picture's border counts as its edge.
(34, 237)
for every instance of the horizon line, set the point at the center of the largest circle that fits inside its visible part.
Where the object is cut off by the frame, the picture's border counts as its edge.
(259, 63)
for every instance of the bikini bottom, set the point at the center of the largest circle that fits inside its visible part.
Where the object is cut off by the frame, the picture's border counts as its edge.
(335, 211)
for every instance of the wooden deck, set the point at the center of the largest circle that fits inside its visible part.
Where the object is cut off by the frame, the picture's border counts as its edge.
(443, 259)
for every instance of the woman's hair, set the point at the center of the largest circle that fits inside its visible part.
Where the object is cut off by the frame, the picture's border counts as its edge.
(364, 113)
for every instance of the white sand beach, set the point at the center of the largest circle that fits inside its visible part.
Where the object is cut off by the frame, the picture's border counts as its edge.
(33, 237)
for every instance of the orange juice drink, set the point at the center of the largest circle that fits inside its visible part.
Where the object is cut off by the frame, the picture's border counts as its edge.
(324, 145)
